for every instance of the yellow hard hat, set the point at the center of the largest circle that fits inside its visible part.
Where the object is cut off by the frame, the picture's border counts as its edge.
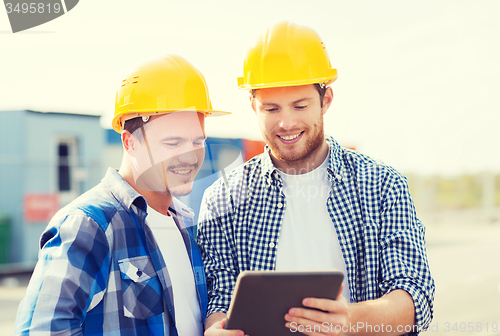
(162, 86)
(287, 54)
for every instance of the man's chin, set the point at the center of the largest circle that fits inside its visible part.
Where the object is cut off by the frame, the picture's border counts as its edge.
(178, 194)
(181, 190)
(288, 156)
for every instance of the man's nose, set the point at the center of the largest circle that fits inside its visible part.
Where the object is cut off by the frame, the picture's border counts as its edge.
(287, 119)
(189, 157)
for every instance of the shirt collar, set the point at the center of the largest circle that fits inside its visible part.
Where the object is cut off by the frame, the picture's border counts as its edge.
(128, 196)
(177, 207)
(268, 167)
(336, 169)
(123, 192)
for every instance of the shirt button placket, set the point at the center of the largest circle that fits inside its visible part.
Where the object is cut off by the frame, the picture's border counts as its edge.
(280, 206)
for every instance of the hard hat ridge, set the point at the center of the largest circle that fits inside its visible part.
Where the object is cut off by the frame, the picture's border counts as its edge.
(162, 86)
(287, 54)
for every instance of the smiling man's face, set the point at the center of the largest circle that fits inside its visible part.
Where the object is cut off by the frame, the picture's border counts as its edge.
(167, 157)
(291, 122)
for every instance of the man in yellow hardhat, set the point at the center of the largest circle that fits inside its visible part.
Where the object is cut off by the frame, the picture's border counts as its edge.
(307, 204)
(106, 269)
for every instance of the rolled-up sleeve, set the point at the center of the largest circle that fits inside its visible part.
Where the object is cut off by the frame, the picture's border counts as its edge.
(403, 254)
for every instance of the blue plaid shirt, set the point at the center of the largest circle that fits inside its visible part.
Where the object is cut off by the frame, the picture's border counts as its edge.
(380, 236)
(100, 271)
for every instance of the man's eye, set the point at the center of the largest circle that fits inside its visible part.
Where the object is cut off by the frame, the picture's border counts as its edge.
(301, 107)
(172, 144)
(272, 109)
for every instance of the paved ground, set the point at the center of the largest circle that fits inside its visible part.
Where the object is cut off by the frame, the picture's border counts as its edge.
(465, 262)
(9, 300)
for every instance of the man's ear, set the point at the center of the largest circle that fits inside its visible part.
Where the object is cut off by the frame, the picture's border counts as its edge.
(327, 99)
(128, 141)
(252, 102)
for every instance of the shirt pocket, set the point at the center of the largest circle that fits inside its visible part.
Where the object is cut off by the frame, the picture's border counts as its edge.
(141, 288)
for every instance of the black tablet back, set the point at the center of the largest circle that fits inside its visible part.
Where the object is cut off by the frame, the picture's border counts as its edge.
(262, 298)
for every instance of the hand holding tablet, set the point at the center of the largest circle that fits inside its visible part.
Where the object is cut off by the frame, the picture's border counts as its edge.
(262, 298)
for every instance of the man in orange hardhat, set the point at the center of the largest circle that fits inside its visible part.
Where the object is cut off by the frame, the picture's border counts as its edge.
(307, 204)
(106, 269)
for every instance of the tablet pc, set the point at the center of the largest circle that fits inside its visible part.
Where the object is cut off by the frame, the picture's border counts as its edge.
(262, 298)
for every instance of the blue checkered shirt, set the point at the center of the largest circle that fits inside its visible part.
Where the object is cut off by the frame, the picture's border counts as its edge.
(380, 236)
(100, 271)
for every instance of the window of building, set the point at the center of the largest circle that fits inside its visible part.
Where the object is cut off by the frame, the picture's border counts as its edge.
(67, 165)
(64, 169)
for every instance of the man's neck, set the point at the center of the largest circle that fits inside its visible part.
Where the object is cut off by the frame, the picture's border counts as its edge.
(159, 201)
(305, 165)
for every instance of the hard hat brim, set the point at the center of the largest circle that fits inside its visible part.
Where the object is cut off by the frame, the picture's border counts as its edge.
(253, 86)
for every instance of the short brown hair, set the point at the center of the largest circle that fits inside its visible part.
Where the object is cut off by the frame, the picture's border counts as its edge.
(133, 124)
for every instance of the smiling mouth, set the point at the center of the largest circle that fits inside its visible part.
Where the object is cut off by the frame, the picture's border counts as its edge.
(183, 171)
(290, 137)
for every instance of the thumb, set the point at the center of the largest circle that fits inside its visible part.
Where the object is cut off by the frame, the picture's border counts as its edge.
(340, 291)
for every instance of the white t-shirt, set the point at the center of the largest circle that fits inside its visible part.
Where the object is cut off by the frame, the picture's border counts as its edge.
(187, 309)
(308, 240)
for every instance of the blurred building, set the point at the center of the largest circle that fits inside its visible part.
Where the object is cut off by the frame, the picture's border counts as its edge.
(46, 160)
